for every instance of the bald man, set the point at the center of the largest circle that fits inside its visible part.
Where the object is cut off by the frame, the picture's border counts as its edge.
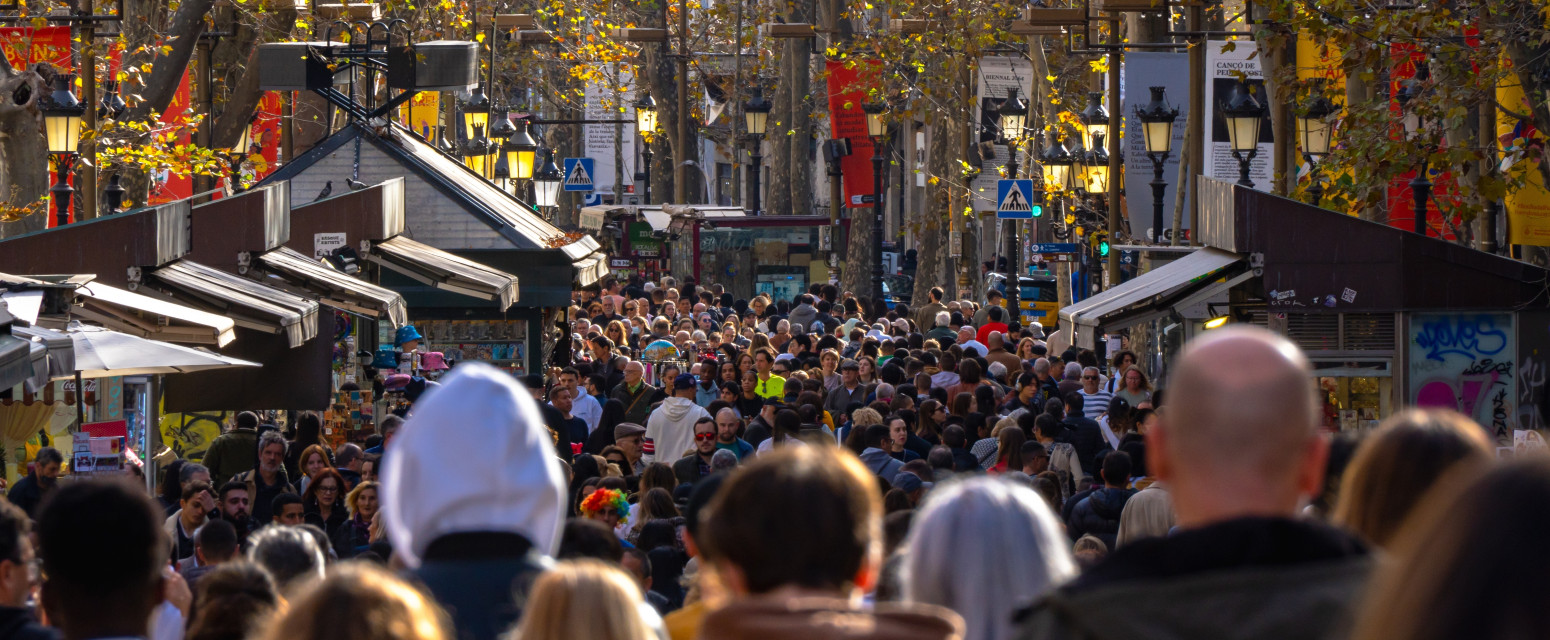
(1239, 450)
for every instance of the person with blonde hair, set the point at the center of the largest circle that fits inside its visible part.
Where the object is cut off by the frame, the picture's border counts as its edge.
(584, 599)
(1396, 465)
(355, 535)
(358, 601)
(977, 580)
(1147, 514)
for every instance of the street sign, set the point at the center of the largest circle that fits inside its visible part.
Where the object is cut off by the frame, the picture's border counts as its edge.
(1014, 199)
(1055, 247)
(578, 174)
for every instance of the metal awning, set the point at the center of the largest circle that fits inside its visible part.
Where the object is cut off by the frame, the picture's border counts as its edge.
(1088, 316)
(444, 270)
(249, 303)
(24, 304)
(337, 289)
(15, 360)
(149, 317)
(658, 219)
(58, 346)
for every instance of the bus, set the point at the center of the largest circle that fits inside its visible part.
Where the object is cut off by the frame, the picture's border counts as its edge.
(1037, 296)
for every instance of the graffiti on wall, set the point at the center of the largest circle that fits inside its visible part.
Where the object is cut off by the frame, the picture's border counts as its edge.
(1533, 367)
(1466, 362)
(190, 434)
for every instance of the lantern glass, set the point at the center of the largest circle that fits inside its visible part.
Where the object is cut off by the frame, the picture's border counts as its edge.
(1159, 136)
(1098, 172)
(757, 121)
(1315, 133)
(1243, 132)
(1094, 118)
(646, 114)
(244, 142)
(546, 184)
(475, 162)
(876, 126)
(64, 132)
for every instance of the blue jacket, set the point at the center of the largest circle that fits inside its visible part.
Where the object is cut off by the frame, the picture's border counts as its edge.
(481, 579)
(1098, 515)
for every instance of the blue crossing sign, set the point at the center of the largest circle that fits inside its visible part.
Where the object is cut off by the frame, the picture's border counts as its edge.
(578, 174)
(1014, 200)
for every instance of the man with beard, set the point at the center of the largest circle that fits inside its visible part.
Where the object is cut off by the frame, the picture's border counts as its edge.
(30, 491)
(269, 479)
(234, 508)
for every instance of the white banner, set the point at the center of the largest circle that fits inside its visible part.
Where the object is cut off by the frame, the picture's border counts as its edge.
(1153, 69)
(997, 74)
(603, 103)
(1223, 70)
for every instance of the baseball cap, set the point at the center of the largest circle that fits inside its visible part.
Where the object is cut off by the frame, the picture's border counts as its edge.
(684, 381)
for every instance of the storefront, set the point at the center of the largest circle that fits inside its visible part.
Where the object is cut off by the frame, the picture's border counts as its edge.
(1387, 317)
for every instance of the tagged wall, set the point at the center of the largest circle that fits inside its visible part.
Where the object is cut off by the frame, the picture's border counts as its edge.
(1533, 411)
(1466, 362)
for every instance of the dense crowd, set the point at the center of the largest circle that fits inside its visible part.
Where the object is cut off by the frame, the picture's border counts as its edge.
(696, 466)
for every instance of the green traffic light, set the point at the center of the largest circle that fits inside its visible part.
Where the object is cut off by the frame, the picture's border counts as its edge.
(1103, 248)
(1038, 211)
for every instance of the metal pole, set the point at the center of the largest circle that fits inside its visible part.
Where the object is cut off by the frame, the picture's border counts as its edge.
(1115, 170)
(646, 153)
(877, 218)
(1159, 187)
(1195, 146)
(88, 148)
(1013, 269)
(62, 191)
(755, 158)
(1421, 189)
(681, 149)
(1243, 168)
(1316, 184)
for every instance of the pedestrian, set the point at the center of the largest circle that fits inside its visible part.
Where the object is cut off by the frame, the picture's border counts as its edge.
(196, 505)
(473, 497)
(1083, 432)
(292, 556)
(215, 544)
(875, 457)
(798, 534)
(1098, 513)
(360, 602)
(690, 468)
(728, 426)
(309, 432)
(977, 581)
(1399, 463)
(670, 429)
(288, 510)
(17, 577)
(1009, 451)
(603, 436)
(635, 393)
(1147, 514)
(268, 479)
(323, 502)
(96, 585)
(1239, 449)
(584, 599)
(29, 492)
(313, 460)
(231, 601)
(629, 438)
(354, 537)
(235, 451)
(351, 460)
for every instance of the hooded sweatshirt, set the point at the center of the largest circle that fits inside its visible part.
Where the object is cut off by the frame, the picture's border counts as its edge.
(880, 463)
(670, 429)
(475, 465)
(775, 618)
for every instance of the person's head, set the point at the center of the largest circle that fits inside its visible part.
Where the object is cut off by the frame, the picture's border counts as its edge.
(936, 294)
(974, 580)
(1135, 380)
(1035, 457)
(727, 424)
(584, 599)
(326, 489)
(215, 542)
(629, 438)
(362, 501)
(287, 509)
(349, 456)
(196, 502)
(1116, 470)
(45, 466)
(1089, 551)
(1090, 379)
(313, 459)
(359, 601)
(634, 371)
(764, 360)
(97, 585)
(588, 538)
(705, 436)
(607, 506)
(954, 437)
(1241, 414)
(18, 573)
(806, 517)
(877, 436)
(233, 599)
(369, 466)
(389, 429)
(1148, 514)
(271, 452)
(1397, 464)
(1009, 448)
(191, 473)
(290, 554)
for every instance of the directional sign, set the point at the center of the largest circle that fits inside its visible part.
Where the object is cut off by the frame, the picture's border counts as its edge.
(1014, 199)
(1055, 247)
(578, 174)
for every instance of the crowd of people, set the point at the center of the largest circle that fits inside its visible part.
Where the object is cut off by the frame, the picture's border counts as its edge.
(808, 469)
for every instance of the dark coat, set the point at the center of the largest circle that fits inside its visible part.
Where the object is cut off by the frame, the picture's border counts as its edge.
(1262, 578)
(17, 623)
(28, 493)
(687, 469)
(1087, 438)
(637, 406)
(1098, 514)
(482, 579)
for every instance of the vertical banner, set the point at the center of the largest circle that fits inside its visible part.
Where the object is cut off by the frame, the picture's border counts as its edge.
(422, 114)
(166, 185)
(264, 156)
(1528, 207)
(1223, 71)
(1146, 69)
(603, 103)
(847, 120)
(997, 74)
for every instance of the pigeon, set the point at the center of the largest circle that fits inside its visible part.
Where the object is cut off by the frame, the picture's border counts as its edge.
(355, 185)
(328, 188)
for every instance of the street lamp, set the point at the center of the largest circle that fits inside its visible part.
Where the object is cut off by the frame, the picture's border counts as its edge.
(1014, 117)
(520, 149)
(877, 128)
(1076, 176)
(1415, 129)
(501, 173)
(476, 113)
(239, 152)
(546, 183)
(646, 126)
(113, 194)
(1316, 129)
(112, 105)
(1157, 126)
(757, 112)
(62, 114)
(474, 150)
(500, 130)
(1056, 160)
(1094, 118)
(1098, 166)
(1243, 115)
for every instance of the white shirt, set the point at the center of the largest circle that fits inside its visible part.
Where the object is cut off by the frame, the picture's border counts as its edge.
(586, 407)
(975, 345)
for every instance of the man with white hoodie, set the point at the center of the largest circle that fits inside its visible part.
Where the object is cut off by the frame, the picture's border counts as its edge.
(670, 429)
(474, 497)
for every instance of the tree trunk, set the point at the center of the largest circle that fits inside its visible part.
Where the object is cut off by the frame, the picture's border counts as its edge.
(142, 42)
(782, 118)
(799, 76)
(24, 177)
(659, 73)
(946, 145)
(858, 257)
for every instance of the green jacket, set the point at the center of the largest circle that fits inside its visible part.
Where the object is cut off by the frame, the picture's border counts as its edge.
(1241, 581)
(230, 454)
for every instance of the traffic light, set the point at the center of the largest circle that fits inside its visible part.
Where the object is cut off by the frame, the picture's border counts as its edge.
(1038, 211)
(1038, 203)
(1103, 244)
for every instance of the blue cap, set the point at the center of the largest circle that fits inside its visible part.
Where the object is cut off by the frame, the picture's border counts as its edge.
(684, 381)
(386, 358)
(406, 333)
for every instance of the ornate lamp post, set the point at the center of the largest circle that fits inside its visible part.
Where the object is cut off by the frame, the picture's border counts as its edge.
(757, 113)
(62, 114)
(1014, 118)
(1243, 114)
(1157, 126)
(1415, 129)
(1316, 129)
(239, 153)
(546, 183)
(500, 130)
(646, 125)
(1094, 119)
(877, 128)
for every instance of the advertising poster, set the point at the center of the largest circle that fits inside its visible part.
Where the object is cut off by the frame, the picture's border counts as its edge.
(1223, 70)
(1528, 208)
(603, 103)
(847, 120)
(997, 74)
(1153, 69)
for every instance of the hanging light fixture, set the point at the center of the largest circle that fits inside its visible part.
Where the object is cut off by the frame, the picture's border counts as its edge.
(1315, 127)
(474, 150)
(1157, 120)
(520, 149)
(646, 114)
(62, 114)
(546, 183)
(1098, 166)
(1076, 177)
(876, 125)
(1056, 161)
(1094, 118)
(112, 105)
(1243, 114)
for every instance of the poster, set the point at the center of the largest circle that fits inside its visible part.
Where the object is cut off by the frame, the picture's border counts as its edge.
(603, 103)
(847, 120)
(1153, 69)
(422, 114)
(1401, 199)
(997, 74)
(25, 46)
(264, 154)
(1223, 70)
(1528, 208)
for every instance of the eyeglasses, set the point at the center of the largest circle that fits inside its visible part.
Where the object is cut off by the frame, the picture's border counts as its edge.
(1089, 377)
(704, 436)
(616, 461)
(325, 489)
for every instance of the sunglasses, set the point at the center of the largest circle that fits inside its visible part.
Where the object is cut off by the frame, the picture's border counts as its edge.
(704, 436)
(1089, 377)
(616, 461)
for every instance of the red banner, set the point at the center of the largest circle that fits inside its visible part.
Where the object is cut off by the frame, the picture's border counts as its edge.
(1401, 198)
(847, 120)
(22, 46)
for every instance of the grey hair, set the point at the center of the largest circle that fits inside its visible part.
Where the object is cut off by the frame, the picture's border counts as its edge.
(723, 459)
(188, 471)
(1041, 365)
(1073, 371)
(974, 581)
(996, 369)
(271, 437)
(943, 318)
(289, 554)
(1148, 514)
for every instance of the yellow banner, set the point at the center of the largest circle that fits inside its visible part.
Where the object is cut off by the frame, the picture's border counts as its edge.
(423, 114)
(1528, 207)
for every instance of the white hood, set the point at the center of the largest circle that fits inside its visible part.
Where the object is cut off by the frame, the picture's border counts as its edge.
(474, 456)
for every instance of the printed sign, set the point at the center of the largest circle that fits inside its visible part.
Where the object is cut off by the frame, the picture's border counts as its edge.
(578, 174)
(323, 243)
(1223, 71)
(1015, 198)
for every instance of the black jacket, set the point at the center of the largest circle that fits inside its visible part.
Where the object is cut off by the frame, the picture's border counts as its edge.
(687, 469)
(1261, 578)
(28, 493)
(1098, 514)
(757, 431)
(1085, 435)
(482, 579)
(963, 461)
(336, 517)
(17, 623)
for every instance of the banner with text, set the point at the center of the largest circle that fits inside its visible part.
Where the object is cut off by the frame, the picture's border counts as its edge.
(997, 74)
(1223, 70)
(846, 120)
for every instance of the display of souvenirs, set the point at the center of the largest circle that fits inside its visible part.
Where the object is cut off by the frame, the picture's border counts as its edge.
(350, 418)
(502, 343)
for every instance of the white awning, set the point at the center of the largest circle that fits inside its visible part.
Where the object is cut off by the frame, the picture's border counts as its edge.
(24, 304)
(249, 303)
(337, 289)
(150, 317)
(444, 270)
(1085, 318)
(58, 346)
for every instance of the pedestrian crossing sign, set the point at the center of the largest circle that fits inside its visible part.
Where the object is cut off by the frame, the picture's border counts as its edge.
(1014, 200)
(578, 174)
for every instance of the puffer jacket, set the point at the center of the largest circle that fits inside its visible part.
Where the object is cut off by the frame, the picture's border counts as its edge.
(1098, 515)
